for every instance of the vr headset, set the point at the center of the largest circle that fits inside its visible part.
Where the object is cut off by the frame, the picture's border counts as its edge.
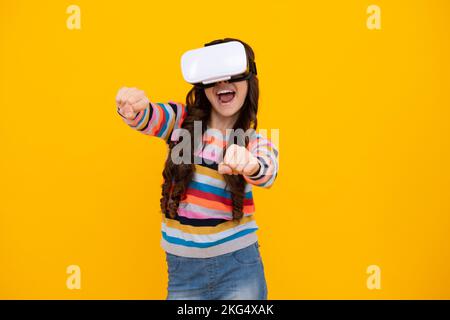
(226, 61)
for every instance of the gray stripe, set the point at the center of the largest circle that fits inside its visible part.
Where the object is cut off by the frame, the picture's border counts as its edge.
(223, 248)
(206, 211)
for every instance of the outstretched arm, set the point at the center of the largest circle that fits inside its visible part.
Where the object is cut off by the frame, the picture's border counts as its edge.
(258, 163)
(153, 119)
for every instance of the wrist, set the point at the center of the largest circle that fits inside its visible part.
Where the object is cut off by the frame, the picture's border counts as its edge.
(257, 170)
(131, 118)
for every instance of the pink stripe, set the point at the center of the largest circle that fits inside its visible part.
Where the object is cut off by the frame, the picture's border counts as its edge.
(154, 119)
(208, 155)
(198, 215)
(134, 122)
(262, 146)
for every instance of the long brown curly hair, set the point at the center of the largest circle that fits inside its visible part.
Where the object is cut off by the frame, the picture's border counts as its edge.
(198, 108)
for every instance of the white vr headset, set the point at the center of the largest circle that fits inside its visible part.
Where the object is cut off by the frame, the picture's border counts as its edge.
(225, 61)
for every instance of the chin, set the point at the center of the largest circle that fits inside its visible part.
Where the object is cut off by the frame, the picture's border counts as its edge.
(227, 112)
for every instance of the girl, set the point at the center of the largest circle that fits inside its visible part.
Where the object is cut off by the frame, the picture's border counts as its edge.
(208, 226)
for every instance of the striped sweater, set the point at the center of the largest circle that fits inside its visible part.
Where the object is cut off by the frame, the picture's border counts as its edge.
(204, 226)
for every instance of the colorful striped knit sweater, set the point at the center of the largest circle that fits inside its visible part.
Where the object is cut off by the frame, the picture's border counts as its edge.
(204, 226)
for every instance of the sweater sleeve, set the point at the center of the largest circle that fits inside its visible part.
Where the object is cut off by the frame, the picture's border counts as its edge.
(158, 119)
(267, 154)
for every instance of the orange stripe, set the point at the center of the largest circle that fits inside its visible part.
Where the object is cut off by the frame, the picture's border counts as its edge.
(144, 122)
(215, 142)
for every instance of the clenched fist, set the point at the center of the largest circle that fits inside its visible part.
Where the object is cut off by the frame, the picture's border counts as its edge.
(238, 160)
(130, 101)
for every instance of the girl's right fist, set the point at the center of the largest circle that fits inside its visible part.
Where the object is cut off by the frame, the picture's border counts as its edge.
(130, 101)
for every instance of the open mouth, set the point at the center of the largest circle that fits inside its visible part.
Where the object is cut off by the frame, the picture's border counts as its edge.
(226, 96)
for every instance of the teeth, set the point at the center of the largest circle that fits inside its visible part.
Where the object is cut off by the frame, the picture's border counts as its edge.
(225, 91)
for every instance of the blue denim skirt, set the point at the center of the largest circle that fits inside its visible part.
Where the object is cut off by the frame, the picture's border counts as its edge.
(237, 275)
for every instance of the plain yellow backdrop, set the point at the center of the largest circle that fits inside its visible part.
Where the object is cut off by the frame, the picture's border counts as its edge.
(364, 144)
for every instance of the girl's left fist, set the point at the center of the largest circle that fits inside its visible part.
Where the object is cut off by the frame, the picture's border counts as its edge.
(238, 160)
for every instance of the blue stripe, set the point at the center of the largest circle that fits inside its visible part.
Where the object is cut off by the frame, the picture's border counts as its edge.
(206, 244)
(215, 190)
(165, 123)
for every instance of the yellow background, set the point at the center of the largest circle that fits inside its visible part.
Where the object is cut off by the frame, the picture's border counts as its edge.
(364, 144)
